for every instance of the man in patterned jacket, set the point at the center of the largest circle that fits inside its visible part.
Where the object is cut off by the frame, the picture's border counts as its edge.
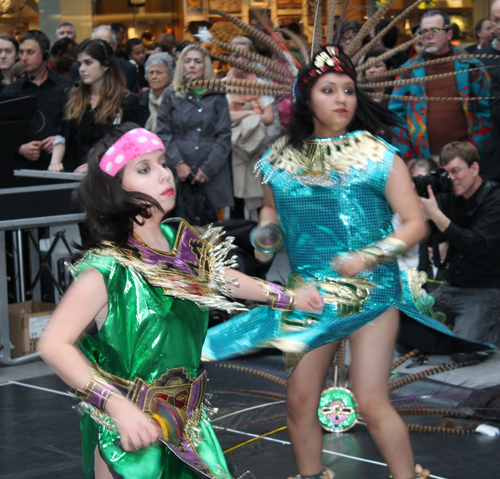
(429, 125)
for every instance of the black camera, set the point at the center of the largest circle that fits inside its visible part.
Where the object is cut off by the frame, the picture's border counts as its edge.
(438, 179)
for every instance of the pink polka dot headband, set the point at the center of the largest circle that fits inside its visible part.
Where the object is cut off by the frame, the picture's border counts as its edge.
(132, 144)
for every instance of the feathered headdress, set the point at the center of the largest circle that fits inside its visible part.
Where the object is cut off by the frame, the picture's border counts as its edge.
(281, 70)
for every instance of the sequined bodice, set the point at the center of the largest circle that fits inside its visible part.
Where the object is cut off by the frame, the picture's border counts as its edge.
(349, 212)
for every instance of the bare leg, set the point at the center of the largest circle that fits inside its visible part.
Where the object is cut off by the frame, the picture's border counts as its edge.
(101, 468)
(303, 393)
(372, 348)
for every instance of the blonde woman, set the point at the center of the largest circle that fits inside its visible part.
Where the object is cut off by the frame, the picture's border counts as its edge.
(98, 101)
(195, 128)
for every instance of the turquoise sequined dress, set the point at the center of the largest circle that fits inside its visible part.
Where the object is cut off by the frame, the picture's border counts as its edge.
(330, 199)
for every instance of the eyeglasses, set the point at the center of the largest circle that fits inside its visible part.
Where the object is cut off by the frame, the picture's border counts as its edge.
(434, 31)
(456, 171)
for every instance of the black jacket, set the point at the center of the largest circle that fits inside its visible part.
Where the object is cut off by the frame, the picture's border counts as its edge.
(474, 238)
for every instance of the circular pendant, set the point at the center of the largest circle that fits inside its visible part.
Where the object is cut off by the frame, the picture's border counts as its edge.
(337, 411)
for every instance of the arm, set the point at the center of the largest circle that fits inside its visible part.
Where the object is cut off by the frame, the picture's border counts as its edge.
(78, 307)
(221, 147)
(238, 115)
(267, 213)
(307, 298)
(267, 116)
(165, 132)
(483, 236)
(479, 81)
(56, 161)
(401, 137)
(401, 195)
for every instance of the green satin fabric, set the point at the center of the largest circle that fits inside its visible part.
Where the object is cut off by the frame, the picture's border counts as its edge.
(145, 333)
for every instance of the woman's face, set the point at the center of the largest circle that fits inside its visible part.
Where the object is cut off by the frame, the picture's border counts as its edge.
(193, 67)
(7, 54)
(158, 77)
(150, 175)
(379, 67)
(238, 57)
(333, 102)
(91, 70)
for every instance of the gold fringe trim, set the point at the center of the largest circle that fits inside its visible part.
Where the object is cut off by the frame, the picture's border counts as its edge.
(317, 157)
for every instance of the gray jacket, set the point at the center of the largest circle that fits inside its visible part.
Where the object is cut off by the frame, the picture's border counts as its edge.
(198, 132)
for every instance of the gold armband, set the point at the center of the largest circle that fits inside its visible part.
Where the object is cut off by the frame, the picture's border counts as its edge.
(383, 251)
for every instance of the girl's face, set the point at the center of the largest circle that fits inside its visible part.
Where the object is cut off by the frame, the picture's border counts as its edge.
(149, 174)
(7, 54)
(91, 70)
(333, 102)
(193, 67)
(158, 77)
(379, 67)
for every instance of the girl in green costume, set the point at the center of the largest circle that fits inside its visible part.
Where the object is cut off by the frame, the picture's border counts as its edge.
(152, 285)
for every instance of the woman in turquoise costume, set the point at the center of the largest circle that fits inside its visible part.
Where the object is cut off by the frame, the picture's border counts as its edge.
(333, 186)
(142, 399)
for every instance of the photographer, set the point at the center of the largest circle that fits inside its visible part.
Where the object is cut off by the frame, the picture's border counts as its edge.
(471, 292)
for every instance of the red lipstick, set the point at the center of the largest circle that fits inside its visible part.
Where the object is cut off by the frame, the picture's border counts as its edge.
(168, 192)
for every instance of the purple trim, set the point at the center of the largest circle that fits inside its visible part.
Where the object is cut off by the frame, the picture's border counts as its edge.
(98, 394)
(281, 300)
(184, 258)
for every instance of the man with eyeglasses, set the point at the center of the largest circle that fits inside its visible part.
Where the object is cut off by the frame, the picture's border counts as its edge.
(429, 125)
(471, 292)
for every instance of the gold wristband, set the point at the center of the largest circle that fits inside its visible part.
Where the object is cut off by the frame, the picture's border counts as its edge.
(383, 251)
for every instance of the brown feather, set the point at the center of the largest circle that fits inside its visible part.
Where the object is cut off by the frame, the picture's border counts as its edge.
(255, 57)
(368, 25)
(330, 21)
(254, 33)
(301, 45)
(252, 69)
(414, 98)
(382, 32)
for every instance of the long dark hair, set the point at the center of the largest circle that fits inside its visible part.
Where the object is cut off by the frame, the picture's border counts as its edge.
(369, 116)
(110, 210)
(112, 91)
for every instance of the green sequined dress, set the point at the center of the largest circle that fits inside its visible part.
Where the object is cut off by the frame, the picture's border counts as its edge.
(330, 200)
(145, 333)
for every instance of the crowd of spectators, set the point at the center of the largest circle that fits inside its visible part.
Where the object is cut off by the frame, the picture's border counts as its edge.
(213, 140)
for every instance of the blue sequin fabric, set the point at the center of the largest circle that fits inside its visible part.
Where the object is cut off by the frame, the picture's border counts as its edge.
(330, 200)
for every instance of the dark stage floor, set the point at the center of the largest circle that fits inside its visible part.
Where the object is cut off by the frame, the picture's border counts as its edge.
(40, 434)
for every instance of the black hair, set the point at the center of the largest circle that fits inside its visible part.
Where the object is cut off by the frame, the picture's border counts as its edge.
(147, 35)
(479, 26)
(116, 27)
(130, 44)
(390, 39)
(370, 116)
(377, 51)
(61, 46)
(110, 211)
(294, 27)
(39, 37)
(353, 26)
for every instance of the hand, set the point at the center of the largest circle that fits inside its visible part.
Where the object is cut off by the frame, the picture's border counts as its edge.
(309, 300)
(429, 205)
(182, 170)
(47, 144)
(31, 150)
(135, 429)
(348, 265)
(56, 167)
(263, 257)
(82, 169)
(200, 177)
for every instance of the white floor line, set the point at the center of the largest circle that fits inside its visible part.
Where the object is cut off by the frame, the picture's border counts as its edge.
(247, 409)
(41, 389)
(326, 451)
